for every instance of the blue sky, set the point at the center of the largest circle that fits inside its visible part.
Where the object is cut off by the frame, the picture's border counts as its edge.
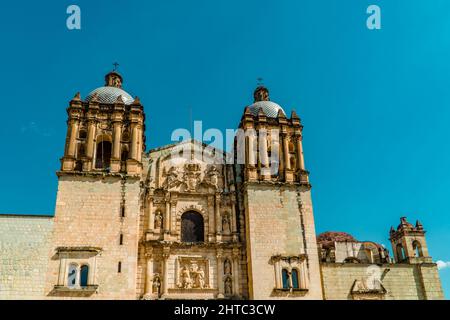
(375, 104)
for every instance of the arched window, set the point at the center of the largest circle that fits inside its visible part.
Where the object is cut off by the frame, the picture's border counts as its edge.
(400, 252)
(285, 278)
(103, 157)
(417, 248)
(72, 276)
(192, 229)
(84, 274)
(295, 282)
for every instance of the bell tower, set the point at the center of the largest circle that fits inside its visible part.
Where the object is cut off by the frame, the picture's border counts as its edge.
(408, 243)
(282, 256)
(105, 132)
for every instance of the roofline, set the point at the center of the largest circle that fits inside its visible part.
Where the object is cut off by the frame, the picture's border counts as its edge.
(18, 215)
(168, 146)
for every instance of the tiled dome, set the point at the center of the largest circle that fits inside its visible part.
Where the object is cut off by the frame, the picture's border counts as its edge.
(110, 95)
(268, 107)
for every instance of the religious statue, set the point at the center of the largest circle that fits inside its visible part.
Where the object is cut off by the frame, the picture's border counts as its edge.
(200, 278)
(185, 278)
(228, 287)
(158, 220)
(156, 285)
(227, 267)
(226, 223)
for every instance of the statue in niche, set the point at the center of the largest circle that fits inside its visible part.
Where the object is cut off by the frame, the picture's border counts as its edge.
(185, 278)
(226, 223)
(158, 220)
(227, 267)
(228, 286)
(156, 285)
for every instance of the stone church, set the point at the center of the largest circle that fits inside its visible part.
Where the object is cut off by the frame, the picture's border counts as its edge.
(180, 222)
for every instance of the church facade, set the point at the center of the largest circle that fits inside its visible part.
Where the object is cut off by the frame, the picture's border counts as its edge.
(187, 221)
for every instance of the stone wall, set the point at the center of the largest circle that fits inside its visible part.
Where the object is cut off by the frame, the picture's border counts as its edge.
(401, 281)
(24, 245)
(279, 221)
(88, 214)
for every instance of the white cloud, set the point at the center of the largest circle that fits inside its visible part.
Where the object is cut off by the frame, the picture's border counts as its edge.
(443, 265)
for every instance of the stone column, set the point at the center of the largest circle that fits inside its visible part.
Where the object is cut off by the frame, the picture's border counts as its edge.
(263, 153)
(134, 142)
(167, 215)
(236, 272)
(233, 218)
(220, 286)
(300, 157)
(277, 274)
(217, 218)
(139, 143)
(251, 154)
(166, 255)
(149, 274)
(151, 217)
(74, 124)
(117, 135)
(90, 139)
(287, 163)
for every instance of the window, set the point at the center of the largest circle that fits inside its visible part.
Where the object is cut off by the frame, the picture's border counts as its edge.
(84, 276)
(103, 157)
(83, 134)
(400, 253)
(121, 239)
(122, 210)
(72, 276)
(294, 275)
(119, 267)
(285, 276)
(417, 248)
(192, 228)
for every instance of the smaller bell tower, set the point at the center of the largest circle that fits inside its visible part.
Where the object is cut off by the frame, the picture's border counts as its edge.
(408, 243)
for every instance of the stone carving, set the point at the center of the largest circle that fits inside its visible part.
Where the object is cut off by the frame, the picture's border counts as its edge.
(212, 177)
(371, 283)
(228, 286)
(226, 223)
(173, 178)
(156, 285)
(192, 275)
(192, 176)
(185, 278)
(158, 220)
(227, 267)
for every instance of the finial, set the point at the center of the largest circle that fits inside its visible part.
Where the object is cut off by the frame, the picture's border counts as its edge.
(294, 115)
(247, 111)
(119, 99)
(137, 101)
(94, 97)
(116, 65)
(281, 114)
(77, 97)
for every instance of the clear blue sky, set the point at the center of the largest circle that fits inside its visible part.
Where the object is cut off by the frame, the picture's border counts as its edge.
(375, 104)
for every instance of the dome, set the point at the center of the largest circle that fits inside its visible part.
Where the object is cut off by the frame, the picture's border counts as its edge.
(327, 239)
(268, 107)
(110, 95)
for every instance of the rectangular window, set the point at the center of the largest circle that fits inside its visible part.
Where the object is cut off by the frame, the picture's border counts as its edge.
(121, 239)
(119, 267)
(122, 211)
